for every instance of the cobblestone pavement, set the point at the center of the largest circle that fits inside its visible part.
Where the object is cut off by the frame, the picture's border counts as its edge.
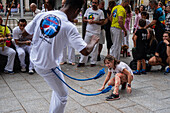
(24, 93)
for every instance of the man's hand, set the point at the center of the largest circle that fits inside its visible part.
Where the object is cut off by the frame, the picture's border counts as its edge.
(90, 21)
(28, 43)
(125, 33)
(95, 39)
(166, 41)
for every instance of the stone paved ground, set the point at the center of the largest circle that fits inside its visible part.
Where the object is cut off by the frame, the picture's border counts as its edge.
(24, 93)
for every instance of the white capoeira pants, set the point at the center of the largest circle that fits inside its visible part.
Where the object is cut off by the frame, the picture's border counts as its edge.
(71, 54)
(102, 37)
(11, 57)
(60, 92)
(94, 53)
(21, 54)
(116, 37)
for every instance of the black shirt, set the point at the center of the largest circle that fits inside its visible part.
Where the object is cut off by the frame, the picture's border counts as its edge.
(141, 41)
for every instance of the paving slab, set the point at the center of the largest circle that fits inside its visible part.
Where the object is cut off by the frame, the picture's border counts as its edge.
(36, 106)
(9, 105)
(27, 95)
(102, 108)
(74, 107)
(150, 102)
(136, 109)
(19, 85)
(5, 92)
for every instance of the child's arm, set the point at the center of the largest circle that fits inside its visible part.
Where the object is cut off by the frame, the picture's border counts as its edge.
(106, 80)
(134, 40)
(126, 72)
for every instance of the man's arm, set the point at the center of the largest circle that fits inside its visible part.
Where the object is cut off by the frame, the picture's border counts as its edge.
(100, 22)
(120, 21)
(88, 49)
(85, 19)
(151, 24)
(24, 33)
(22, 42)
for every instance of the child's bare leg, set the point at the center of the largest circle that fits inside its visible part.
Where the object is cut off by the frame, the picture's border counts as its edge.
(143, 64)
(117, 83)
(138, 64)
(111, 82)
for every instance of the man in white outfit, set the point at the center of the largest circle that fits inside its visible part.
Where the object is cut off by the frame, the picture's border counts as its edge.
(23, 45)
(7, 51)
(94, 18)
(52, 31)
(34, 9)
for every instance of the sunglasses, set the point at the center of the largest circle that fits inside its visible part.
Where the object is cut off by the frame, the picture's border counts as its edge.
(95, 2)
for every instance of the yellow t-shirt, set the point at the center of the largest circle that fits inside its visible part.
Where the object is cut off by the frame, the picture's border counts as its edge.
(118, 11)
(2, 28)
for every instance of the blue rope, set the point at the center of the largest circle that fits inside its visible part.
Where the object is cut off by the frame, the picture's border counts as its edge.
(94, 94)
(100, 74)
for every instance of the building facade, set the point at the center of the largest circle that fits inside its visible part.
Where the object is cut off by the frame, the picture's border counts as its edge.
(26, 3)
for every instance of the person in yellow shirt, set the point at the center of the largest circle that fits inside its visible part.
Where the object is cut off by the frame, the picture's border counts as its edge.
(118, 16)
(7, 50)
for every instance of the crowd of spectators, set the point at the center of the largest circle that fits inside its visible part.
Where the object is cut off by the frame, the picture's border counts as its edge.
(113, 25)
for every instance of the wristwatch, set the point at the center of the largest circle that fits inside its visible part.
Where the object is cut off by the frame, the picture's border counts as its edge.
(129, 85)
(168, 45)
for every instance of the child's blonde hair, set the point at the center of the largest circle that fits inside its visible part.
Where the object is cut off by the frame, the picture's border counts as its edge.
(111, 58)
(152, 36)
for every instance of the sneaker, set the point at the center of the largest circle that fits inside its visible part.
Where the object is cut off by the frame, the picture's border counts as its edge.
(8, 72)
(137, 72)
(112, 97)
(143, 71)
(92, 65)
(31, 72)
(81, 65)
(167, 70)
(23, 69)
(123, 86)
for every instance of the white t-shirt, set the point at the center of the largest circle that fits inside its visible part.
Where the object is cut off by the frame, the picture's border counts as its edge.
(17, 34)
(36, 12)
(147, 22)
(52, 31)
(95, 15)
(119, 68)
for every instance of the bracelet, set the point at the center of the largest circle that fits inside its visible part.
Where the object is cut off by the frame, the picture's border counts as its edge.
(129, 85)
(156, 56)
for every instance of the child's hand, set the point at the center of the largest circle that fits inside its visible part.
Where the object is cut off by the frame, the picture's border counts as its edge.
(102, 88)
(129, 90)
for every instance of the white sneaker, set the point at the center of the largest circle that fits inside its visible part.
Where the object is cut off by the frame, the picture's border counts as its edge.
(31, 72)
(23, 69)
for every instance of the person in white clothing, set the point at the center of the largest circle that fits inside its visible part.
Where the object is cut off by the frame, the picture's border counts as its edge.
(34, 9)
(68, 49)
(7, 51)
(94, 18)
(48, 6)
(52, 31)
(23, 45)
